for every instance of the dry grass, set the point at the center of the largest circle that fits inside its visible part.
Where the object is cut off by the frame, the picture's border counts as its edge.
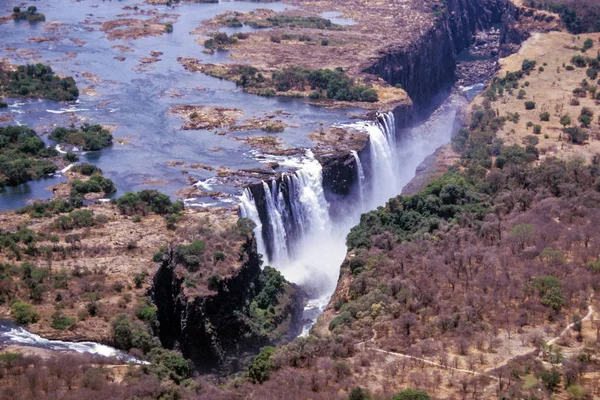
(552, 91)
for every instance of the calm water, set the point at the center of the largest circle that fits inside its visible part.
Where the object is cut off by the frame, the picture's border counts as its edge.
(136, 100)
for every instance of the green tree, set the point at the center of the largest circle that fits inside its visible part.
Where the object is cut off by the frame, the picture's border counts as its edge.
(411, 394)
(23, 313)
(551, 379)
(260, 369)
(358, 393)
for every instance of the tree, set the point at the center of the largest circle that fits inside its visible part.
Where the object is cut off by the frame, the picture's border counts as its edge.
(260, 369)
(358, 394)
(412, 394)
(551, 379)
(23, 313)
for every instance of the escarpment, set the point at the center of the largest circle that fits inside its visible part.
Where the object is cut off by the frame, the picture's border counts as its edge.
(427, 66)
(221, 328)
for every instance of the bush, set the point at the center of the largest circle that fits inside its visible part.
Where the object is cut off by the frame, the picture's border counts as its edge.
(146, 201)
(260, 369)
(96, 184)
(61, 322)
(529, 105)
(588, 44)
(215, 281)
(218, 256)
(219, 41)
(23, 313)
(576, 135)
(169, 363)
(537, 129)
(189, 255)
(545, 116)
(88, 137)
(411, 394)
(527, 65)
(87, 169)
(579, 61)
(521, 94)
(71, 157)
(551, 379)
(358, 394)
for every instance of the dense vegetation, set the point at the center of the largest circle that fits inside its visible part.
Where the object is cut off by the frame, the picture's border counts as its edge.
(87, 137)
(579, 16)
(23, 156)
(37, 80)
(324, 83)
(293, 22)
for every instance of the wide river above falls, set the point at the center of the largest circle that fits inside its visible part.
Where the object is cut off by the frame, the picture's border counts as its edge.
(135, 97)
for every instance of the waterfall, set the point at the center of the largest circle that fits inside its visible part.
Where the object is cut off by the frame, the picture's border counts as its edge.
(293, 227)
(384, 160)
(248, 210)
(294, 209)
(360, 177)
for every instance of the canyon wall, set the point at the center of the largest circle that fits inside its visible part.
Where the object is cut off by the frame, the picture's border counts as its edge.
(426, 67)
(216, 330)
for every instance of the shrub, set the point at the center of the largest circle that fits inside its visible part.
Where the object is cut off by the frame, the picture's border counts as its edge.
(260, 369)
(545, 116)
(527, 65)
(189, 255)
(219, 41)
(411, 394)
(345, 318)
(565, 120)
(71, 157)
(576, 135)
(169, 363)
(529, 105)
(62, 322)
(88, 137)
(521, 94)
(579, 61)
(588, 44)
(23, 313)
(537, 129)
(551, 379)
(87, 169)
(358, 394)
(569, 68)
(169, 28)
(218, 256)
(96, 184)
(215, 281)
(147, 200)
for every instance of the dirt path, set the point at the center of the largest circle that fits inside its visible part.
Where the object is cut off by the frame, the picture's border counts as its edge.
(487, 373)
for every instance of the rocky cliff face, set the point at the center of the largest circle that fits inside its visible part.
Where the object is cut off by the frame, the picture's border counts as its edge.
(424, 68)
(216, 331)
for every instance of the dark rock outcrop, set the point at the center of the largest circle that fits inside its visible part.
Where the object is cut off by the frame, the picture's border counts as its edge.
(214, 330)
(426, 67)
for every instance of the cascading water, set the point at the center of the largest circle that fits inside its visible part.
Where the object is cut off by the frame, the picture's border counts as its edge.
(360, 175)
(294, 230)
(294, 209)
(248, 210)
(12, 334)
(314, 248)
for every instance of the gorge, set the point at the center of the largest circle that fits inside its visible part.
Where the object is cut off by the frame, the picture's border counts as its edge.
(301, 199)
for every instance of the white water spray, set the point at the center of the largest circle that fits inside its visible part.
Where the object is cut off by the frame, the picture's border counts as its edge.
(315, 247)
(360, 177)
